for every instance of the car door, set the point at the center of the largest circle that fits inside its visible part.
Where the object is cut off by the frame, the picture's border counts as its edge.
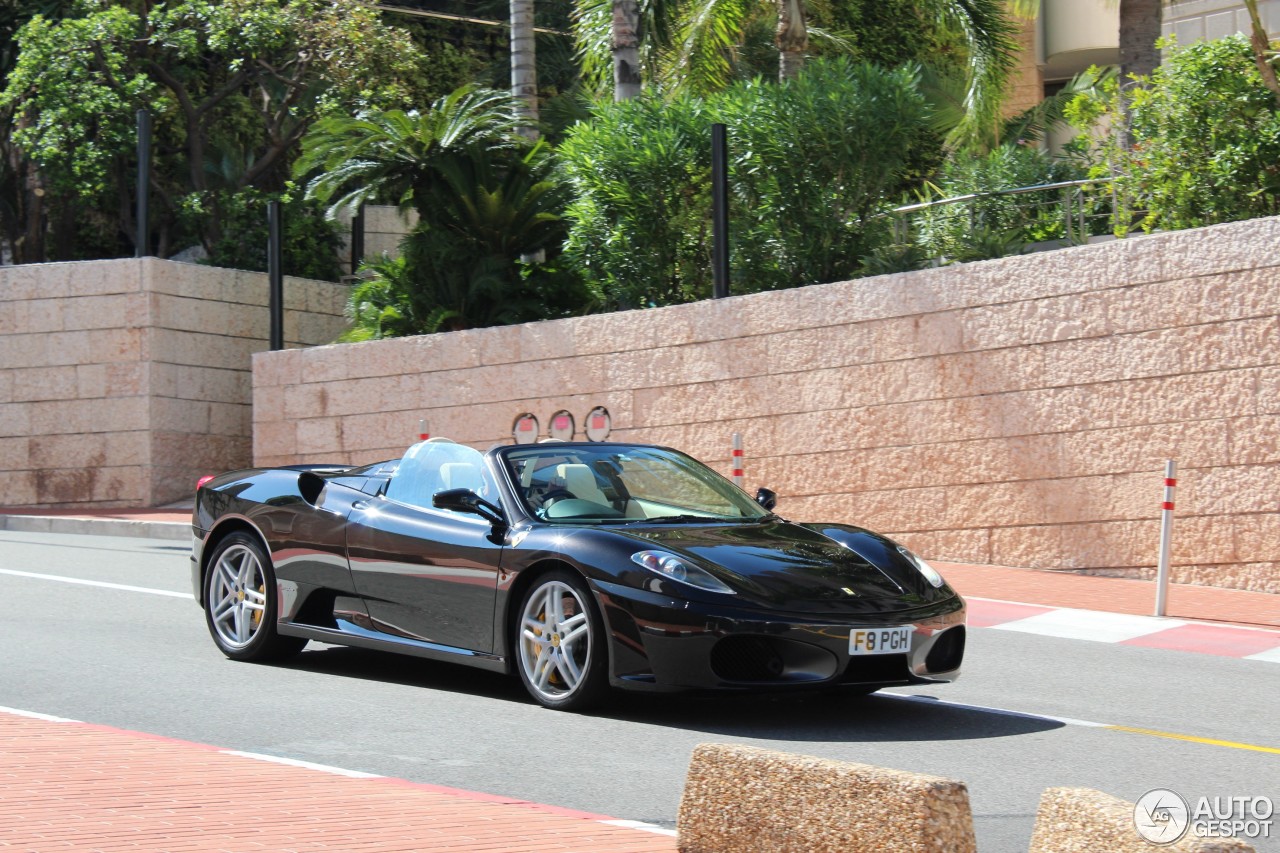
(427, 574)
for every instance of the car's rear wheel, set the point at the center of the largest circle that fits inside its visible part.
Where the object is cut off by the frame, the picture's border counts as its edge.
(240, 602)
(560, 651)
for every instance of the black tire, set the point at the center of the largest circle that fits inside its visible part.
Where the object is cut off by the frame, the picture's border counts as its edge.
(559, 643)
(240, 604)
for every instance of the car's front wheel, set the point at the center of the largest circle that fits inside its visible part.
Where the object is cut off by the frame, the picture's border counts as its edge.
(240, 602)
(560, 651)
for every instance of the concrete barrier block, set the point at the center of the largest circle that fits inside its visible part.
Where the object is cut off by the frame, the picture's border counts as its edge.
(1080, 820)
(740, 799)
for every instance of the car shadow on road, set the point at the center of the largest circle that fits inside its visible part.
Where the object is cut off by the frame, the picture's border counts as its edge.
(349, 662)
(808, 716)
(828, 717)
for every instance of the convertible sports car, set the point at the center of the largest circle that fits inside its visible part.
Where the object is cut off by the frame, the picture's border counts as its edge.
(579, 566)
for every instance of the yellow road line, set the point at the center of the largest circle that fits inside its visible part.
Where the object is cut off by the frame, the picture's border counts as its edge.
(1172, 736)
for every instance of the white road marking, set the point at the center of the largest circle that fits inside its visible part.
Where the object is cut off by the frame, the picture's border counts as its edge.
(929, 700)
(297, 762)
(1272, 655)
(102, 584)
(36, 715)
(639, 824)
(1089, 625)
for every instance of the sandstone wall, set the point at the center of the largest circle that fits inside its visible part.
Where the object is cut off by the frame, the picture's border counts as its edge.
(1015, 411)
(384, 228)
(123, 381)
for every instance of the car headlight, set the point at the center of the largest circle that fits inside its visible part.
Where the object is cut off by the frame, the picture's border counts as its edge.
(673, 568)
(929, 572)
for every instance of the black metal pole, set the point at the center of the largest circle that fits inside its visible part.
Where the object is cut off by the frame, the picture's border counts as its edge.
(719, 211)
(275, 276)
(357, 239)
(142, 245)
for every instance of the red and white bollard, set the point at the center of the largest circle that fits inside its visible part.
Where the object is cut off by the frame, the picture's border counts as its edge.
(737, 459)
(1166, 537)
(423, 435)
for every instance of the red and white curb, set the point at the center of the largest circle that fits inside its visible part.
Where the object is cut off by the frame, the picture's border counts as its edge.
(1154, 632)
(461, 793)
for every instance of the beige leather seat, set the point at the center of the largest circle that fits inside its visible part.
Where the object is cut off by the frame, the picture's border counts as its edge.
(579, 480)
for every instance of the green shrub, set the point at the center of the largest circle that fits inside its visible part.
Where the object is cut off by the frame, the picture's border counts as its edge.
(811, 163)
(310, 244)
(1205, 140)
(640, 225)
(995, 225)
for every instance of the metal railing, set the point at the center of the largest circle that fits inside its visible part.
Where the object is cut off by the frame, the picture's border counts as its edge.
(1064, 213)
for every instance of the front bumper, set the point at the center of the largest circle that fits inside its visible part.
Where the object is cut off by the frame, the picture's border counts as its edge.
(662, 643)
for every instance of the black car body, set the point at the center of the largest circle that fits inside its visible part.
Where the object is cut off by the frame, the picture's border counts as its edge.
(577, 565)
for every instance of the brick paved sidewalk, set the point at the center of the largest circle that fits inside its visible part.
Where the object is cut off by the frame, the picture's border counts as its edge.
(81, 787)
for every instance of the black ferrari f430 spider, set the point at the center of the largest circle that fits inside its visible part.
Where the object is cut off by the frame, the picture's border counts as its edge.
(576, 566)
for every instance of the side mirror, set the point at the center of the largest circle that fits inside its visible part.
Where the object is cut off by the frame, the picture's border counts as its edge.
(465, 500)
(767, 498)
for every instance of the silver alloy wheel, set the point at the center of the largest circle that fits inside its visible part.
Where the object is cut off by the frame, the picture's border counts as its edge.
(555, 640)
(237, 596)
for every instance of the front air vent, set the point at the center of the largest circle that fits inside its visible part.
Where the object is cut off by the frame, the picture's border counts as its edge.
(947, 651)
(770, 660)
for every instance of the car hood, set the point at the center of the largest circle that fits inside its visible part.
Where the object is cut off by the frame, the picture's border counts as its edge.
(802, 568)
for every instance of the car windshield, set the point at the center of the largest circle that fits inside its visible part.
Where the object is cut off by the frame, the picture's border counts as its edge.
(623, 484)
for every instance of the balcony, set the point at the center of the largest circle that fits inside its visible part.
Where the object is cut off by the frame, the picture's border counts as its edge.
(1077, 34)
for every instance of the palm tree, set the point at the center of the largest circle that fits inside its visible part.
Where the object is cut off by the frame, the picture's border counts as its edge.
(484, 197)
(691, 44)
(1139, 30)
(524, 67)
(792, 38)
(624, 34)
(403, 156)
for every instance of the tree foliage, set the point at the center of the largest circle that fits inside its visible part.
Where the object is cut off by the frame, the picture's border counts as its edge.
(702, 46)
(400, 156)
(1205, 133)
(233, 86)
(487, 202)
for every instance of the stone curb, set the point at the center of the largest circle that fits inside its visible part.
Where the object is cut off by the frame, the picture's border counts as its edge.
(173, 530)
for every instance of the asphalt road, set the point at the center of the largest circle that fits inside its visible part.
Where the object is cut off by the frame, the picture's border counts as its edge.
(141, 660)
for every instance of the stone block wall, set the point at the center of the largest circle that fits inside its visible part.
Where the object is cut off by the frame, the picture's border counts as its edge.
(384, 227)
(123, 381)
(1016, 411)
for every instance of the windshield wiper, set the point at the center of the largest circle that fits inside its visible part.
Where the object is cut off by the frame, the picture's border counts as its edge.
(663, 519)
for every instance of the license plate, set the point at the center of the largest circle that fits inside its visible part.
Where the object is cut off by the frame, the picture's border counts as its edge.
(880, 641)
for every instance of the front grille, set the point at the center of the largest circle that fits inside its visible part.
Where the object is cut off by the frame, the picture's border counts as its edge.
(875, 669)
